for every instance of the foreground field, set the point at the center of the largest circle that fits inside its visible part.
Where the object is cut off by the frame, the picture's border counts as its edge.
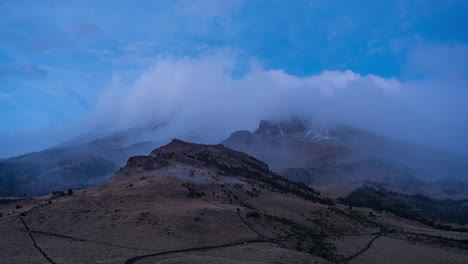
(189, 203)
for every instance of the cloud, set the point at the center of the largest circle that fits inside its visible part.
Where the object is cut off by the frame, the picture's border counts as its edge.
(37, 39)
(204, 98)
(438, 62)
(202, 93)
(4, 96)
(28, 70)
(210, 8)
(85, 30)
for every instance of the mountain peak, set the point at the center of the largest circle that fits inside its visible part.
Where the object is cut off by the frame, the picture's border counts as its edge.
(283, 128)
(193, 162)
(180, 153)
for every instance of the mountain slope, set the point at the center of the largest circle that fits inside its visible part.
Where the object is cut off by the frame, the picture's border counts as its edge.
(79, 163)
(337, 160)
(417, 207)
(192, 203)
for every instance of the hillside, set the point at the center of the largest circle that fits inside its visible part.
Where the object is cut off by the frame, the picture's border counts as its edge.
(416, 207)
(192, 203)
(78, 163)
(339, 159)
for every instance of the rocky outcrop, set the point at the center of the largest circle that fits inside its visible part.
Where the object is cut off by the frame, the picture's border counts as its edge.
(290, 128)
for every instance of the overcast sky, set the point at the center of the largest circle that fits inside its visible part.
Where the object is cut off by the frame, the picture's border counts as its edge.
(398, 68)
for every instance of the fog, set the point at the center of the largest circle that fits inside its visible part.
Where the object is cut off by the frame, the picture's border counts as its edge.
(206, 95)
(209, 68)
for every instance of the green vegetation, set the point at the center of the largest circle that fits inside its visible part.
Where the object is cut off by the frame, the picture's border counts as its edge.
(253, 214)
(21, 178)
(432, 239)
(191, 190)
(7, 201)
(24, 174)
(166, 154)
(414, 207)
(246, 205)
(58, 193)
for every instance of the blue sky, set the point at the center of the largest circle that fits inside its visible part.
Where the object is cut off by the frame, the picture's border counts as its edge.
(59, 59)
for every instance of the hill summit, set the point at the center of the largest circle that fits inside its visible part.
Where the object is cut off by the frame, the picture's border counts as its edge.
(195, 203)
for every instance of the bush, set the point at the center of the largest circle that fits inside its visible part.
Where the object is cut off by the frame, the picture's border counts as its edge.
(253, 214)
(58, 193)
(70, 192)
(246, 205)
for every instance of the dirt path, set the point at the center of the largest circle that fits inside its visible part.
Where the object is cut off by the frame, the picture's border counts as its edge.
(35, 244)
(365, 248)
(249, 226)
(239, 215)
(85, 240)
(262, 239)
(254, 241)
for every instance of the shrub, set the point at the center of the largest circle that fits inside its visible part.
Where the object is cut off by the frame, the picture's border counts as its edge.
(246, 205)
(253, 214)
(58, 193)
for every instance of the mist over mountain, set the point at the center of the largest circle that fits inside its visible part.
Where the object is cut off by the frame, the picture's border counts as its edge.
(238, 132)
(333, 158)
(338, 159)
(206, 95)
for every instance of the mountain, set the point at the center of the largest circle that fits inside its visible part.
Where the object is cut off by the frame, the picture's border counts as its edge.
(416, 207)
(335, 160)
(78, 163)
(194, 203)
(339, 159)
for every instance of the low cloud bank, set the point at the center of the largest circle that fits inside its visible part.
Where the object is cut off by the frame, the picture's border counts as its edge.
(205, 98)
(206, 95)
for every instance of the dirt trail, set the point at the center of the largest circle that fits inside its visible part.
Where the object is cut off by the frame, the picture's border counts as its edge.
(365, 248)
(35, 244)
(85, 240)
(262, 239)
(137, 258)
(249, 226)
(239, 215)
